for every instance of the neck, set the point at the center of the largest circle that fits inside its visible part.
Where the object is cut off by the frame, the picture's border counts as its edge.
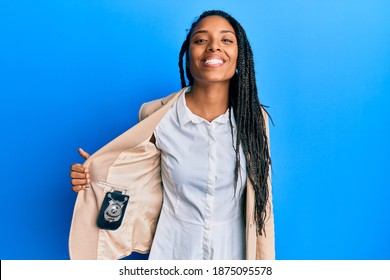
(208, 101)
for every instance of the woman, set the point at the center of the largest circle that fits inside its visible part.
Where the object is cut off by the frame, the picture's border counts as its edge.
(212, 142)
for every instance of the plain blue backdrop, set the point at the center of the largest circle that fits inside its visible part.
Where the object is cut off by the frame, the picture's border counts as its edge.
(74, 73)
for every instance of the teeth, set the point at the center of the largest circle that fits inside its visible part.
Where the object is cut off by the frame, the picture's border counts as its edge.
(213, 61)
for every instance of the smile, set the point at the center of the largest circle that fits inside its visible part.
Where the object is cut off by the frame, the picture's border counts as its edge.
(213, 62)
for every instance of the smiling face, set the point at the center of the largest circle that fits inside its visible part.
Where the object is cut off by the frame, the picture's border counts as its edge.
(213, 51)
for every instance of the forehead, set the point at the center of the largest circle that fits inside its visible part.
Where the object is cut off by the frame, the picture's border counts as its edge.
(213, 23)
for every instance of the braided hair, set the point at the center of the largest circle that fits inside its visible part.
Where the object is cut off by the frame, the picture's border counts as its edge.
(250, 121)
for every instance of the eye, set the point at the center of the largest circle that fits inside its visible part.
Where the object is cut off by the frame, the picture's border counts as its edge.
(227, 41)
(199, 41)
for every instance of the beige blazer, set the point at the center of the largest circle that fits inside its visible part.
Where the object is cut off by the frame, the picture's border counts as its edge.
(131, 163)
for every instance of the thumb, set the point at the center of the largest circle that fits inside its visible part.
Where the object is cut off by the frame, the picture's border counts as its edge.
(83, 153)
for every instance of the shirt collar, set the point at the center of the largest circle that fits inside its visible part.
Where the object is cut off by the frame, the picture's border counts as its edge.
(185, 115)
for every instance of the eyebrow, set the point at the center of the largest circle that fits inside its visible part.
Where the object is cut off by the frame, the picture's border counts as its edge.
(205, 31)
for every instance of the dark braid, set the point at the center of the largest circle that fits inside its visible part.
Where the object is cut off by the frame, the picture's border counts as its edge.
(251, 126)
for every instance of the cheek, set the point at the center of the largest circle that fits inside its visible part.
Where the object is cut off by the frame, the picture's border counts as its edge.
(234, 55)
(192, 54)
(234, 63)
(192, 62)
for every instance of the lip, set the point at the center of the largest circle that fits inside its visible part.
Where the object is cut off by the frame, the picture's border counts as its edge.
(213, 61)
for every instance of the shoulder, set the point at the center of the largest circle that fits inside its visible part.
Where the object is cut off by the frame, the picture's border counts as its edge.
(150, 107)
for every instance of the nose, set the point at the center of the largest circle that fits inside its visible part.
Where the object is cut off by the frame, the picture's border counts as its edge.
(214, 46)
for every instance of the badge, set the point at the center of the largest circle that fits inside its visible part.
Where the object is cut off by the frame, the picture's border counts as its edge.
(112, 210)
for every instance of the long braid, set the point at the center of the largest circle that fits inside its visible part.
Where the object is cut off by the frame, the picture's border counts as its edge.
(182, 52)
(248, 113)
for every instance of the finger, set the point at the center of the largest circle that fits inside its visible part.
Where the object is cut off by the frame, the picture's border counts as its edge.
(79, 188)
(79, 168)
(78, 175)
(83, 153)
(76, 182)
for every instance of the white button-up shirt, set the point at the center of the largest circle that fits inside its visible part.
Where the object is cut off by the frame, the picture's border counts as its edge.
(202, 215)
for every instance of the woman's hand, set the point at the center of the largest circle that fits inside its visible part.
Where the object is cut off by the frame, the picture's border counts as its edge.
(80, 174)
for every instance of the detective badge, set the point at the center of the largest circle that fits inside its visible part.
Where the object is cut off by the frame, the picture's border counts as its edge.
(112, 210)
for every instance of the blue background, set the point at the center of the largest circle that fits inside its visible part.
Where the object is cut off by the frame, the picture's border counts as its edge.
(74, 73)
